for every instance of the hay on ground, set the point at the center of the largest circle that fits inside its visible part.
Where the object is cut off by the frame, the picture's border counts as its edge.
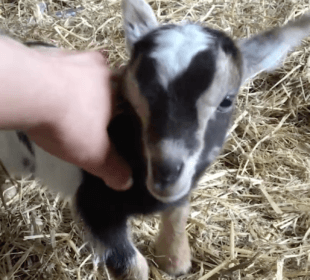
(250, 214)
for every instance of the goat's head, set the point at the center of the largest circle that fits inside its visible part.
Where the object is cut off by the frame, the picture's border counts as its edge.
(182, 81)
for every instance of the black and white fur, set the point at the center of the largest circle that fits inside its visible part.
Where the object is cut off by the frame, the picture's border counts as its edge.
(177, 97)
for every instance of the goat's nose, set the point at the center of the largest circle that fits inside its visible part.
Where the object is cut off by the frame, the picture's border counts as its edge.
(166, 174)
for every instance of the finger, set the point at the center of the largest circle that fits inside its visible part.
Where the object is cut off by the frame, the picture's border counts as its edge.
(116, 172)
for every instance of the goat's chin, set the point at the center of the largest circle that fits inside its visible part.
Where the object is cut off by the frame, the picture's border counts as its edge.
(167, 198)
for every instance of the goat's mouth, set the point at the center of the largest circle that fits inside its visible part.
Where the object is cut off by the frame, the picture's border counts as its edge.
(170, 194)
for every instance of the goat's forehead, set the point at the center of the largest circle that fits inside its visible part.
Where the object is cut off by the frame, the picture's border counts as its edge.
(176, 67)
(176, 47)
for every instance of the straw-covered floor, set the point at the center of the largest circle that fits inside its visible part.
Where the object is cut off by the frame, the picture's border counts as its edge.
(250, 215)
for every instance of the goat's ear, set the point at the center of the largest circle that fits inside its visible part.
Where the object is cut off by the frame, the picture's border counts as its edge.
(139, 19)
(266, 51)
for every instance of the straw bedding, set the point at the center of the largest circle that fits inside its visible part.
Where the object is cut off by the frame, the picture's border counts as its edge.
(250, 215)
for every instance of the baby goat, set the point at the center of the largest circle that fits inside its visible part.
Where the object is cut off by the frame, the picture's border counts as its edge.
(176, 98)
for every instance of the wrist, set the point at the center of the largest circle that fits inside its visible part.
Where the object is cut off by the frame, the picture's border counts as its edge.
(27, 83)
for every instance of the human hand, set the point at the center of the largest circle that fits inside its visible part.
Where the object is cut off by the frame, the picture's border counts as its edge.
(77, 128)
(65, 109)
(64, 102)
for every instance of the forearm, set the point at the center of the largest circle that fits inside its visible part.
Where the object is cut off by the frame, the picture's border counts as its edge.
(25, 77)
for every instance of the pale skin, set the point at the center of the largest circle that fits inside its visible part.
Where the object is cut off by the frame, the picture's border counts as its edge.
(63, 101)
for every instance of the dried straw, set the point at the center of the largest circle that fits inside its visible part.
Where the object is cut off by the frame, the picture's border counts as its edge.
(250, 214)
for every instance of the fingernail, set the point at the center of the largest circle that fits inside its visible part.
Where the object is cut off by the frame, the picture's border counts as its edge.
(127, 185)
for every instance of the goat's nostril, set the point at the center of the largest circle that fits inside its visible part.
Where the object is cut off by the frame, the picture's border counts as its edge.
(160, 187)
(166, 174)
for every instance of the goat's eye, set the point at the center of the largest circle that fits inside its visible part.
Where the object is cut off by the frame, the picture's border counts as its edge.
(226, 104)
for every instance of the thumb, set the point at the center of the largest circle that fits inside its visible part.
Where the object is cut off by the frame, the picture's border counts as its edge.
(115, 171)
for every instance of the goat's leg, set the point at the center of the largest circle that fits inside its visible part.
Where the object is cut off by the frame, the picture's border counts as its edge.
(134, 268)
(115, 248)
(106, 222)
(172, 248)
(123, 259)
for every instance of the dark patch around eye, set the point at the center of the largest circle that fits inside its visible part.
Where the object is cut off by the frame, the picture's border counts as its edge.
(152, 89)
(177, 104)
(195, 80)
(214, 136)
(184, 92)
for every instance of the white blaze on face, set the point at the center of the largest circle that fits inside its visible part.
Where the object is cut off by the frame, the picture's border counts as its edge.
(166, 150)
(176, 150)
(206, 106)
(176, 48)
(184, 183)
(170, 149)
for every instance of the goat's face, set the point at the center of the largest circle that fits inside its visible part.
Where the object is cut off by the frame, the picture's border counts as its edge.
(188, 75)
(182, 81)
